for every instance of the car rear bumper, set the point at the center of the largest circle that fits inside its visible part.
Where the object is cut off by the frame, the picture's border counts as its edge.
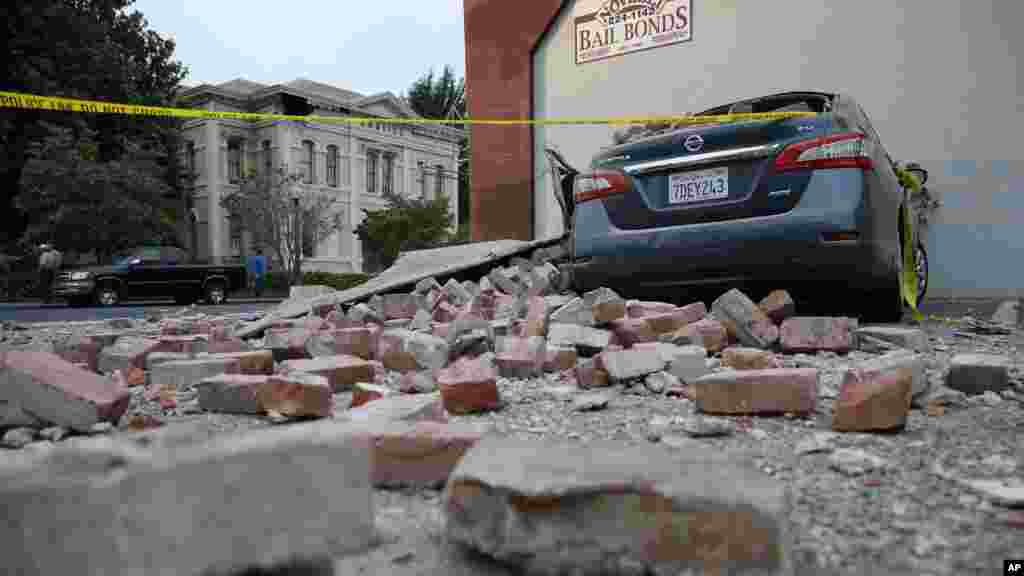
(795, 246)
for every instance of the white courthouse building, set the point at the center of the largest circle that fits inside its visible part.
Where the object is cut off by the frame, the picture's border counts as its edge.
(355, 162)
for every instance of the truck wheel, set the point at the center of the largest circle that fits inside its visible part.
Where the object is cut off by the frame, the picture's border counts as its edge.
(107, 294)
(216, 293)
(78, 301)
(185, 298)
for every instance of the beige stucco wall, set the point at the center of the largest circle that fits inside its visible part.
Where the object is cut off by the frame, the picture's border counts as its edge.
(939, 79)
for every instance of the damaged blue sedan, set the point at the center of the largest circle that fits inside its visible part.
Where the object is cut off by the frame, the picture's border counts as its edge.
(809, 199)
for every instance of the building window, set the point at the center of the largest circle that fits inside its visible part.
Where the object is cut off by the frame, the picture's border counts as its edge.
(371, 172)
(423, 179)
(307, 165)
(439, 181)
(389, 174)
(308, 234)
(234, 160)
(268, 158)
(332, 166)
(235, 225)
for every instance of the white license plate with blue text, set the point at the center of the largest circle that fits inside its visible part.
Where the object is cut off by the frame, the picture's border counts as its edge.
(688, 187)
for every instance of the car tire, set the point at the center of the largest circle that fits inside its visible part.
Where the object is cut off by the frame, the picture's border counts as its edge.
(216, 293)
(108, 294)
(185, 298)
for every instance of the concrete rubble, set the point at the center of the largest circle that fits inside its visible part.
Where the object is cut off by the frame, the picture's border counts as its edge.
(566, 433)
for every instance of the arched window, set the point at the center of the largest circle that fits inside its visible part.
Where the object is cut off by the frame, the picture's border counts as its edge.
(268, 158)
(234, 159)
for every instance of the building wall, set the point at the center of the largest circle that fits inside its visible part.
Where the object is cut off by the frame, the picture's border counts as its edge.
(339, 252)
(939, 80)
(499, 37)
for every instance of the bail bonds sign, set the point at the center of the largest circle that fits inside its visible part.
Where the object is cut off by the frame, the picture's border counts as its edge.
(607, 28)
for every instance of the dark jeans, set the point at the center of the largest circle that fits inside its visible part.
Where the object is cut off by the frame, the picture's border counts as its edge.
(256, 281)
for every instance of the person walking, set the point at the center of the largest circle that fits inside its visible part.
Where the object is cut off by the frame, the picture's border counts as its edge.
(49, 264)
(257, 266)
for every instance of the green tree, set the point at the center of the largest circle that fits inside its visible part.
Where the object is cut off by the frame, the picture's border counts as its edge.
(444, 98)
(95, 49)
(408, 224)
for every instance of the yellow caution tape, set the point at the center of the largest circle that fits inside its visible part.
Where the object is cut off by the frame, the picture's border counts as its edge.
(34, 102)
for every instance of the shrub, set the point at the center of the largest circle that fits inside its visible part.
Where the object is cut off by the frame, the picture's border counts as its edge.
(408, 224)
(336, 281)
(277, 282)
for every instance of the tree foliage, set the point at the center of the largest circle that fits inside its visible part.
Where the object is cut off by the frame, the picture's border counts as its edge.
(408, 224)
(95, 49)
(283, 216)
(443, 97)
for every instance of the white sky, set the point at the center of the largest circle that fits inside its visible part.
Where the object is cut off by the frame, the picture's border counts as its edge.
(367, 47)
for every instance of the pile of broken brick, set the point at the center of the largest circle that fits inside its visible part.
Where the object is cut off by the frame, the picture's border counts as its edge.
(409, 360)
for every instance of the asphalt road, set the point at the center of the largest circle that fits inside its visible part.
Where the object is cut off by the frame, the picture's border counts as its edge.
(33, 312)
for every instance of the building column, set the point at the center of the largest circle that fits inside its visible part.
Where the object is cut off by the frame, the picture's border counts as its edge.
(211, 133)
(355, 205)
(452, 190)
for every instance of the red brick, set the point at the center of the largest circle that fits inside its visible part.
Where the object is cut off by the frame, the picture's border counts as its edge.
(417, 454)
(629, 331)
(346, 341)
(83, 350)
(873, 400)
(536, 317)
(398, 306)
(341, 372)
(708, 333)
(469, 385)
(288, 343)
(749, 359)
(773, 391)
(520, 357)
(445, 312)
(666, 322)
(392, 353)
(778, 306)
(400, 408)
(559, 358)
(231, 393)
(54, 390)
(640, 308)
(812, 334)
(590, 374)
(226, 346)
(417, 382)
(363, 392)
(296, 394)
(744, 320)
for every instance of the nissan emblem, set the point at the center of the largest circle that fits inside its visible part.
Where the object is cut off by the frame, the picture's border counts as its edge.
(693, 143)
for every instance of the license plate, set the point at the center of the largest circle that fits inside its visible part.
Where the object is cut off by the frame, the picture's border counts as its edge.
(689, 187)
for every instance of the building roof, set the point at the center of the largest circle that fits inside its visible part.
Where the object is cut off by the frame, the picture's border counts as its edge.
(325, 91)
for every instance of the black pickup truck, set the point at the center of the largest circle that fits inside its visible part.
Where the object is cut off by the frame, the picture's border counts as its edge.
(150, 273)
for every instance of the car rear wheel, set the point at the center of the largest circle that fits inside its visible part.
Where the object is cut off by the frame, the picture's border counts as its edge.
(108, 294)
(216, 293)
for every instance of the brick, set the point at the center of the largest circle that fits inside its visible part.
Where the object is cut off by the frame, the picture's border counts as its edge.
(631, 331)
(666, 322)
(587, 509)
(631, 363)
(975, 374)
(641, 308)
(55, 391)
(742, 318)
(457, 294)
(251, 361)
(154, 497)
(296, 394)
(345, 341)
(778, 306)
(125, 353)
(520, 357)
(392, 352)
(506, 280)
(182, 374)
(445, 312)
(773, 391)
(81, 349)
(813, 334)
(363, 392)
(417, 454)
(361, 313)
(227, 346)
(341, 372)
(740, 358)
(184, 344)
(469, 386)
(605, 305)
(920, 385)
(400, 408)
(909, 338)
(231, 393)
(154, 359)
(590, 374)
(559, 358)
(585, 339)
(471, 343)
(485, 304)
(708, 333)
(873, 400)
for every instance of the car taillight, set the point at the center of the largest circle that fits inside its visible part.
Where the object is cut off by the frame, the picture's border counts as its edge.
(600, 184)
(848, 150)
